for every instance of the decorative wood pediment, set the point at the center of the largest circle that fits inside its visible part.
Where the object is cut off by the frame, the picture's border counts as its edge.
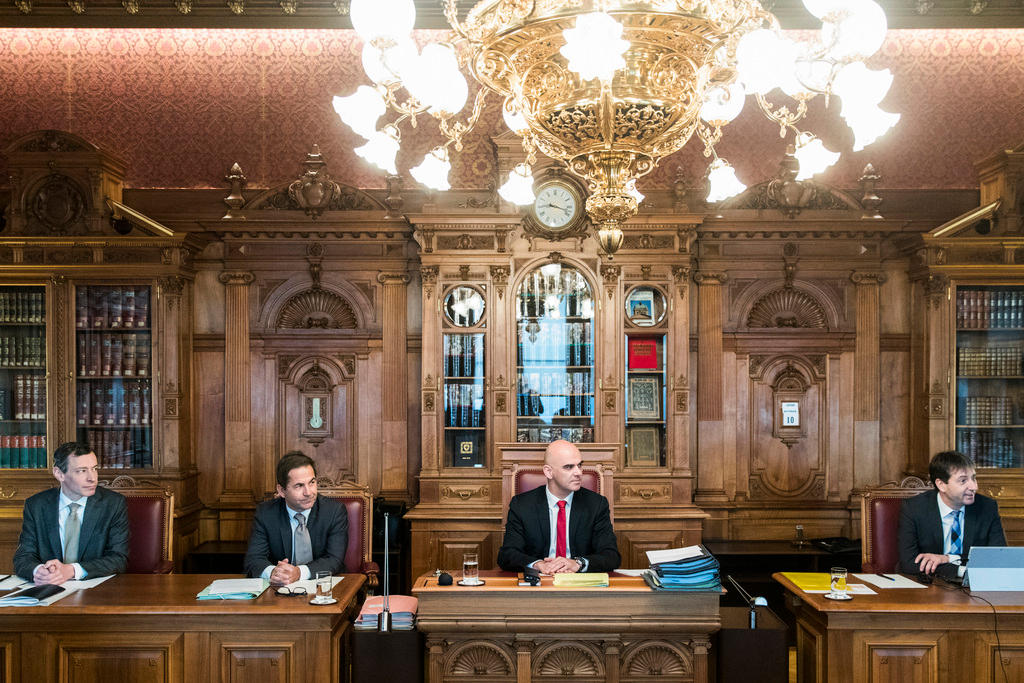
(317, 309)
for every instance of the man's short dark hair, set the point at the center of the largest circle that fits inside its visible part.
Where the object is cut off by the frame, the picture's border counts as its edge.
(66, 450)
(944, 464)
(290, 461)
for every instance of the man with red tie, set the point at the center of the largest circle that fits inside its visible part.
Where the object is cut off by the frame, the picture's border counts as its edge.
(560, 527)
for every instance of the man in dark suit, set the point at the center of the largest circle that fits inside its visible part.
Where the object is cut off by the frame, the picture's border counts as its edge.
(76, 531)
(298, 533)
(938, 528)
(559, 527)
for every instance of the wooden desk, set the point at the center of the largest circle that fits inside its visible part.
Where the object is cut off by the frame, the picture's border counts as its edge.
(150, 628)
(932, 634)
(625, 632)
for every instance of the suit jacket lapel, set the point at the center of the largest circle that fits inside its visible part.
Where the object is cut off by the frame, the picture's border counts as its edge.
(970, 526)
(575, 521)
(544, 519)
(934, 523)
(285, 530)
(51, 528)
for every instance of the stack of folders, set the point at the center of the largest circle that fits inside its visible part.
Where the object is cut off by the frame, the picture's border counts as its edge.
(233, 589)
(584, 580)
(683, 569)
(402, 608)
(36, 595)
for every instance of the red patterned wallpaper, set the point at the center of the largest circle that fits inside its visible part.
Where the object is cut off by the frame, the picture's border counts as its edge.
(180, 106)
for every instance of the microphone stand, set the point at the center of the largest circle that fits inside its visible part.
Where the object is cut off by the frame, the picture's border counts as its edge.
(384, 618)
(751, 601)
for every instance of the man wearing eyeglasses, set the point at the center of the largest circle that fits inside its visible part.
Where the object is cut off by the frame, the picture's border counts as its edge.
(76, 531)
(298, 533)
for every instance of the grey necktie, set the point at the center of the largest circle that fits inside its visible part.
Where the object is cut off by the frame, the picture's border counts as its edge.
(303, 548)
(71, 528)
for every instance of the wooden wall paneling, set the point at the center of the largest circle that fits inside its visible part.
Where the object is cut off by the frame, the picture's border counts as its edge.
(710, 429)
(394, 418)
(866, 384)
(894, 414)
(501, 358)
(608, 360)
(896, 658)
(997, 660)
(238, 482)
(210, 422)
(431, 400)
(680, 397)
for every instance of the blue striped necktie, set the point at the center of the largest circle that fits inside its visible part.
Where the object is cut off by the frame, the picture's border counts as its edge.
(955, 542)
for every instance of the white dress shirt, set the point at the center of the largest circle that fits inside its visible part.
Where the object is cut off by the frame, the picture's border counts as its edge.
(63, 512)
(303, 569)
(947, 528)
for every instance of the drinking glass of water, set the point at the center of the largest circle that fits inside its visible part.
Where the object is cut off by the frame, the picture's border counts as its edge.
(470, 569)
(323, 588)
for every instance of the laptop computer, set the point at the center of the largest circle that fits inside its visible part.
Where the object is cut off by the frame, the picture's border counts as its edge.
(992, 568)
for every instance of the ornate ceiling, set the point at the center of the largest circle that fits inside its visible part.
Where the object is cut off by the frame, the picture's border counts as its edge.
(334, 13)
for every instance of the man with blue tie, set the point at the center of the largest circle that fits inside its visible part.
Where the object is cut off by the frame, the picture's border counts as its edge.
(937, 529)
(298, 533)
(76, 531)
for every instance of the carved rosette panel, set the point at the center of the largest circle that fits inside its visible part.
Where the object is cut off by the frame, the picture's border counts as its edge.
(681, 274)
(637, 493)
(499, 277)
(477, 658)
(465, 241)
(564, 659)
(682, 402)
(56, 205)
(501, 403)
(786, 307)
(611, 275)
(465, 493)
(317, 309)
(428, 274)
(657, 658)
(428, 402)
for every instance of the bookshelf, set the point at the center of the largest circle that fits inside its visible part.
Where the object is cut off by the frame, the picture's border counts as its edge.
(645, 414)
(990, 374)
(554, 356)
(113, 374)
(23, 377)
(464, 353)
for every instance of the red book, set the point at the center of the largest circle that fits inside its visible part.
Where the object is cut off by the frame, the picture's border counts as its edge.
(643, 354)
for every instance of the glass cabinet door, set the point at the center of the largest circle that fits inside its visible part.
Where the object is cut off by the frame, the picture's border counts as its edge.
(23, 377)
(113, 375)
(990, 374)
(554, 356)
(464, 351)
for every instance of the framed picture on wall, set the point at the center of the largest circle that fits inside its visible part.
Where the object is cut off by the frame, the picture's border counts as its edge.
(644, 398)
(643, 447)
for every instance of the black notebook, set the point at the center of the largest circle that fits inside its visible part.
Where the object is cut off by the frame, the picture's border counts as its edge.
(30, 596)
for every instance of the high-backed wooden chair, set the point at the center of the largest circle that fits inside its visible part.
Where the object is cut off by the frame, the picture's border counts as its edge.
(522, 469)
(150, 524)
(358, 503)
(879, 523)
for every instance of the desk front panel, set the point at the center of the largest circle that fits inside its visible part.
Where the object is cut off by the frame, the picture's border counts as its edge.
(150, 628)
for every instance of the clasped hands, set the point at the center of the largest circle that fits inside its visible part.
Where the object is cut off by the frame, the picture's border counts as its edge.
(284, 573)
(929, 562)
(557, 565)
(53, 572)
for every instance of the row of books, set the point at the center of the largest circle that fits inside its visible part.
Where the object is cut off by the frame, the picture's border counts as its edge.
(464, 355)
(125, 402)
(989, 309)
(113, 355)
(23, 451)
(533, 404)
(119, 448)
(549, 434)
(987, 449)
(112, 307)
(990, 361)
(988, 410)
(464, 405)
(22, 352)
(27, 398)
(564, 344)
(22, 307)
(575, 304)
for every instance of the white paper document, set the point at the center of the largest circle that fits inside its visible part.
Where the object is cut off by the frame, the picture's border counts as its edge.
(853, 589)
(86, 583)
(673, 554)
(889, 581)
(225, 586)
(631, 572)
(13, 581)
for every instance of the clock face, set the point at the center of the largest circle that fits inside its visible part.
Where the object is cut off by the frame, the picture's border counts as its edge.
(556, 206)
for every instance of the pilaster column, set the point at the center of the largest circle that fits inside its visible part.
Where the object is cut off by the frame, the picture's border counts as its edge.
(394, 384)
(237, 386)
(866, 358)
(710, 425)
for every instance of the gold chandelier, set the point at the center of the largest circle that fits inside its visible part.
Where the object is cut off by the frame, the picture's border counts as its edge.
(611, 87)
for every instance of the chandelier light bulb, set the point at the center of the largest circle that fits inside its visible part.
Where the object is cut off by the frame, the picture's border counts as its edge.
(857, 32)
(514, 119)
(759, 56)
(812, 155)
(722, 181)
(813, 75)
(385, 66)
(381, 149)
(723, 103)
(633, 192)
(822, 8)
(856, 83)
(360, 110)
(433, 170)
(382, 19)
(436, 82)
(867, 122)
(518, 189)
(595, 47)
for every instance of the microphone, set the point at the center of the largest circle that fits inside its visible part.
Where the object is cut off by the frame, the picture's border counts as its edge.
(444, 579)
(384, 618)
(751, 601)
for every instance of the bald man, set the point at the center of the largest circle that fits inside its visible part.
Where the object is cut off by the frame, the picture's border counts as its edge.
(560, 527)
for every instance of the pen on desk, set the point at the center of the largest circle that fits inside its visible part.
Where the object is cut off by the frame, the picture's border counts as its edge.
(887, 577)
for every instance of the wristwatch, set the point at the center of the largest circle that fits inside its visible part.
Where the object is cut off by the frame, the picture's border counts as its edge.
(582, 562)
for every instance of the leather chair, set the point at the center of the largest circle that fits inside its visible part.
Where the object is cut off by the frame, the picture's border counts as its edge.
(528, 477)
(150, 524)
(879, 523)
(359, 504)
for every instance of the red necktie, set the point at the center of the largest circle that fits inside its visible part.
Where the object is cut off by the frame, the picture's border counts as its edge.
(560, 531)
